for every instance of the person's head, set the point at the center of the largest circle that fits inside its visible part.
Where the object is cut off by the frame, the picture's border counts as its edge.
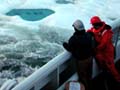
(96, 22)
(78, 25)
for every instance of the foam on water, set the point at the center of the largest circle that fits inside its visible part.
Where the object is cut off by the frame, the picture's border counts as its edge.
(24, 48)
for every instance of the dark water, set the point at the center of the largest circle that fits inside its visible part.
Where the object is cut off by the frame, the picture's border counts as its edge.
(31, 14)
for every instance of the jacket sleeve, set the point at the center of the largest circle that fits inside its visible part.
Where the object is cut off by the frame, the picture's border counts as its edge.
(66, 46)
(105, 39)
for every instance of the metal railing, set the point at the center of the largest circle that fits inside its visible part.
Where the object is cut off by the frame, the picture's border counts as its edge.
(42, 76)
(52, 70)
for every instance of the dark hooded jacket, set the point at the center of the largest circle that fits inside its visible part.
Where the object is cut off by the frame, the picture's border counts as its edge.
(80, 45)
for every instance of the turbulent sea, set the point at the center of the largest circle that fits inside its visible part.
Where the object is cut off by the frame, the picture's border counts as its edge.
(24, 49)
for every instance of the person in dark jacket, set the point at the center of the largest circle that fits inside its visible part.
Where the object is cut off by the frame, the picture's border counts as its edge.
(80, 45)
(104, 52)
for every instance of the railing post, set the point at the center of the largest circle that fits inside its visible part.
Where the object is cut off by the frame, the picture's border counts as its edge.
(58, 77)
(117, 34)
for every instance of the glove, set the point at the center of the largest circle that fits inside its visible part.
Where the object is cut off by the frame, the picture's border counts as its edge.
(66, 46)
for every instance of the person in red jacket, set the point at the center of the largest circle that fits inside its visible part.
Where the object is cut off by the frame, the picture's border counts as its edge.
(104, 51)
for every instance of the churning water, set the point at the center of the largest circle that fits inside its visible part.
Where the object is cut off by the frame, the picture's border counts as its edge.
(23, 49)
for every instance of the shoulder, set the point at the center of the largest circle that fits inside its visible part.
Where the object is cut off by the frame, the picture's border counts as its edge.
(108, 30)
(90, 30)
(90, 33)
(107, 33)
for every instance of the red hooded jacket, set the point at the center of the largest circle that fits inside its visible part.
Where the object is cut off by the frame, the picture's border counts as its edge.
(104, 52)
